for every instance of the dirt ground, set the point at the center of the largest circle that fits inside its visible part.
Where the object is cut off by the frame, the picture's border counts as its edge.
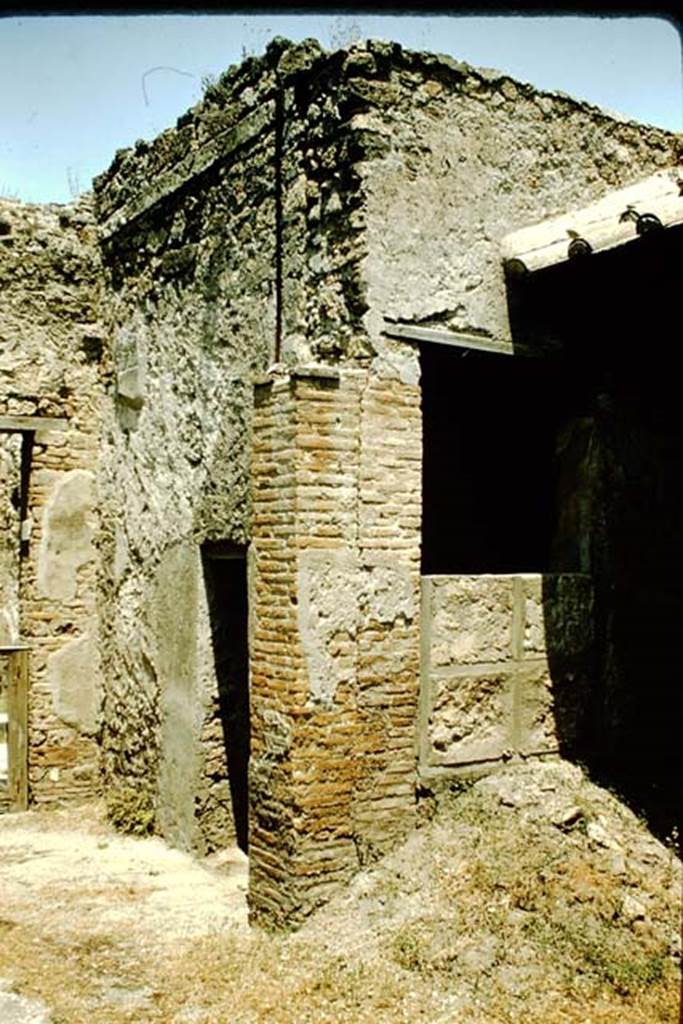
(105, 906)
(532, 896)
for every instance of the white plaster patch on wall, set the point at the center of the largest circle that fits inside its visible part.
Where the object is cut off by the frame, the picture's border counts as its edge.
(73, 675)
(67, 534)
(328, 586)
(388, 594)
(278, 733)
(130, 387)
(396, 361)
(472, 619)
(9, 625)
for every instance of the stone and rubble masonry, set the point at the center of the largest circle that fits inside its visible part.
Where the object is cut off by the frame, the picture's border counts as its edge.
(507, 664)
(305, 199)
(52, 360)
(335, 635)
(187, 229)
(10, 457)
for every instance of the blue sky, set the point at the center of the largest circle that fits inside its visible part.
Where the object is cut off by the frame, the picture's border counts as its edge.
(74, 89)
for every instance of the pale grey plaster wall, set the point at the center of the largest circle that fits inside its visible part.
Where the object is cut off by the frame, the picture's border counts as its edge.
(461, 157)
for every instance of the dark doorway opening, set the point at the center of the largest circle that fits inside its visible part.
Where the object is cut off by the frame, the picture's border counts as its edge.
(225, 576)
(490, 426)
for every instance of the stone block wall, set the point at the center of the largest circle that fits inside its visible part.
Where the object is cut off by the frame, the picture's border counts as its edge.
(52, 361)
(335, 631)
(506, 668)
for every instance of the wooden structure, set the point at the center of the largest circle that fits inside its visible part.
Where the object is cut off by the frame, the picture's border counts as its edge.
(16, 657)
(22, 424)
(619, 217)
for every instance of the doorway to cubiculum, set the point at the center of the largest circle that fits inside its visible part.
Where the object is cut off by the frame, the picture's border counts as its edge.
(225, 576)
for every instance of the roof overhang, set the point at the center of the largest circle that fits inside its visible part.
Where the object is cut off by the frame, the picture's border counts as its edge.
(619, 217)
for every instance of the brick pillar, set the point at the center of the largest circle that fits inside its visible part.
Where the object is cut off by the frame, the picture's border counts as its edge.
(390, 504)
(274, 654)
(335, 632)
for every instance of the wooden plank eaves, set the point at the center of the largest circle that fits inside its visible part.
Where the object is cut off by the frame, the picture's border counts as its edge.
(611, 221)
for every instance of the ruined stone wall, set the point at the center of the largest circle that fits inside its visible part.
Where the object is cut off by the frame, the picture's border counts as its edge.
(308, 197)
(228, 243)
(335, 636)
(10, 455)
(188, 229)
(51, 352)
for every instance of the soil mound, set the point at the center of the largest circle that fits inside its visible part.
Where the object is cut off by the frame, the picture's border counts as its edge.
(530, 896)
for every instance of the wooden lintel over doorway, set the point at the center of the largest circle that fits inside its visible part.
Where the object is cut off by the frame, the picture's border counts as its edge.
(22, 424)
(459, 339)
